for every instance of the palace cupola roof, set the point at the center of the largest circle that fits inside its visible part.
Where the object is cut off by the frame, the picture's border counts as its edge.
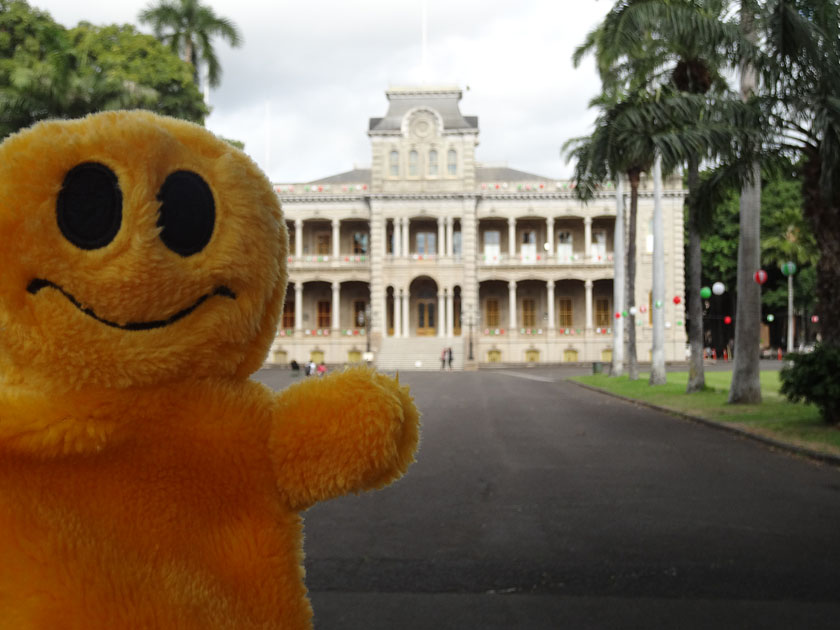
(443, 100)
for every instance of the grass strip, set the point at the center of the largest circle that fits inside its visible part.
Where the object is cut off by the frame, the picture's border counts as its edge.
(798, 424)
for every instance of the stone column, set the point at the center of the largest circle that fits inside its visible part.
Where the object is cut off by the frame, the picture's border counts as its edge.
(550, 297)
(441, 324)
(406, 223)
(397, 313)
(512, 238)
(439, 247)
(587, 238)
(397, 239)
(450, 301)
(512, 304)
(298, 239)
(298, 306)
(405, 314)
(336, 304)
(450, 235)
(336, 232)
(588, 286)
(549, 237)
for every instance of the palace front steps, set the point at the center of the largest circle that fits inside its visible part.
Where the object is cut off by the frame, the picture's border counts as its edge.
(418, 353)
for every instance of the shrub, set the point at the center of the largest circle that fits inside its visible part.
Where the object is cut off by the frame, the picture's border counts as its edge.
(815, 378)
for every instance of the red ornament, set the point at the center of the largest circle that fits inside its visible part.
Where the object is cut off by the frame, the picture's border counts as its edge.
(815, 318)
(677, 299)
(727, 320)
(618, 315)
(760, 276)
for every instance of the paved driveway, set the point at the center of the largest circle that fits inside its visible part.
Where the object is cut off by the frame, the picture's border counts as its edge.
(538, 504)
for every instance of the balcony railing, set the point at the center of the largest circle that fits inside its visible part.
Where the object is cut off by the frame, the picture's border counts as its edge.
(325, 259)
(545, 259)
(530, 331)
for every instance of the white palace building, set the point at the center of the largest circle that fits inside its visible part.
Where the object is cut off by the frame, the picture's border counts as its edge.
(430, 249)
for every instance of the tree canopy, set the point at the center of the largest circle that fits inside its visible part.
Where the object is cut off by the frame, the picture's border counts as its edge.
(48, 71)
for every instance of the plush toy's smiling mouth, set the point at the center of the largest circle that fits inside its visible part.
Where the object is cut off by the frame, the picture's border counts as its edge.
(39, 283)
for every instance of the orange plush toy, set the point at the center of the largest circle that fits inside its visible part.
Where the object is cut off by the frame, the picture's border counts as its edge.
(145, 482)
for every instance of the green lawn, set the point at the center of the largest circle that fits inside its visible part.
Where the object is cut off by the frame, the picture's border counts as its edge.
(775, 417)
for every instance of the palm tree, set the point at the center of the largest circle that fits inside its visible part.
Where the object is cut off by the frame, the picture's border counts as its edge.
(803, 41)
(746, 384)
(618, 146)
(188, 27)
(683, 43)
(803, 80)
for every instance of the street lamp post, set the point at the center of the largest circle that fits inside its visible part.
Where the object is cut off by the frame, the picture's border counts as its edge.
(789, 269)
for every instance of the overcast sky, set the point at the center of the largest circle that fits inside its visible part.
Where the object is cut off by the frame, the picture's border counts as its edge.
(309, 75)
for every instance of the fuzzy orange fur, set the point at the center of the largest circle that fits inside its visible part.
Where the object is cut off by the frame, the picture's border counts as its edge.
(145, 482)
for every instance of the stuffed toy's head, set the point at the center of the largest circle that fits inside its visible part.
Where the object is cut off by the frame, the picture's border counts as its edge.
(128, 254)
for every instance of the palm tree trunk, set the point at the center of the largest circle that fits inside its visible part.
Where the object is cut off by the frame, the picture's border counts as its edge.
(191, 58)
(630, 297)
(696, 375)
(657, 363)
(746, 386)
(825, 221)
(617, 368)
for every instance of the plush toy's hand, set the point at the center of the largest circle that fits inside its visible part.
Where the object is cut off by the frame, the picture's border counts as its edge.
(346, 432)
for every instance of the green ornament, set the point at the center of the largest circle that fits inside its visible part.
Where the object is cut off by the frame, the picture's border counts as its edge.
(771, 317)
(658, 304)
(789, 268)
(624, 313)
(679, 322)
(705, 293)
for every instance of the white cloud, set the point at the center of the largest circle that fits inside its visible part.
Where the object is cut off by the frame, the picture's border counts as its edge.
(323, 67)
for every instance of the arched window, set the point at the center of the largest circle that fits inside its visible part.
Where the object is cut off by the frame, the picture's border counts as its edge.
(394, 163)
(452, 162)
(412, 163)
(433, 163)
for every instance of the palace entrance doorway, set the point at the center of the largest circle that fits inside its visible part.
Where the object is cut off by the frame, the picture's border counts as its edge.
(424, 306)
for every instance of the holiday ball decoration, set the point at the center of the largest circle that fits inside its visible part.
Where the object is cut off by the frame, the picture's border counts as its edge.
(760, 276)
(705, 293)
(789, 268)
(677, 299)
(718, 288)
(727, 320)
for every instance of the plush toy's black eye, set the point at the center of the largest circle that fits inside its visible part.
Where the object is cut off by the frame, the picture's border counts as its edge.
(89, 207)
(187, 213)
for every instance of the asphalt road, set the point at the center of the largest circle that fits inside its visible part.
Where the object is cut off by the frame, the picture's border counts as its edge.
(538, 504)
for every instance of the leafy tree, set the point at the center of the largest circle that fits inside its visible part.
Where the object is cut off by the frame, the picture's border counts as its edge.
(787, 236)
(47, 71)
(38, 73)
(188, 27)
(152, 77)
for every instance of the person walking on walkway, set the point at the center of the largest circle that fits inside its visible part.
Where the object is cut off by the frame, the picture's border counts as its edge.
(443, 359)
(449, 357)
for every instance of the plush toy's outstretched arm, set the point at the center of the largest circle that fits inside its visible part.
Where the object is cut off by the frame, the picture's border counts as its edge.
(346, 432)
